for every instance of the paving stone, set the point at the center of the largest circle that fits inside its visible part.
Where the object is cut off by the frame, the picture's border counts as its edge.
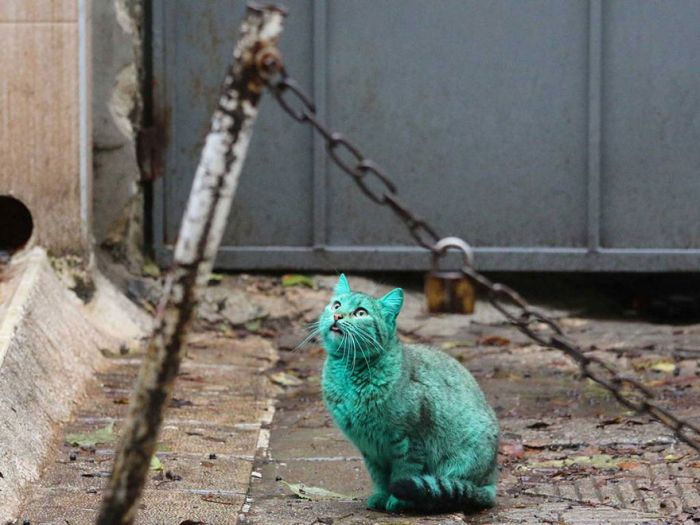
(547, 414)
(206, 449)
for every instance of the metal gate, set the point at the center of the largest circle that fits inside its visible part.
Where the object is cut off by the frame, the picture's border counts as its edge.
(552, 135)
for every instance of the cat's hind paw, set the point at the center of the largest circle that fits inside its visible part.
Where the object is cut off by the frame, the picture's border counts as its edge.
(377, 501)
(394, 504)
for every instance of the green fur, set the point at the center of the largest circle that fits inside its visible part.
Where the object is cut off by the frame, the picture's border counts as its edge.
(420, 420)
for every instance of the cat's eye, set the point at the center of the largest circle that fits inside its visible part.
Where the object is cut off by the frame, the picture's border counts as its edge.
(336, 305)
(360, 312)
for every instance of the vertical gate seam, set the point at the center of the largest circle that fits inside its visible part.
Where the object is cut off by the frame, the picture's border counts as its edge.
(595, 78)
(320, 93)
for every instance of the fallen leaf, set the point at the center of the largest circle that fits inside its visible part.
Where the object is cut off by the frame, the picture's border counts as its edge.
(220, 499)
(172, 476)
(90, 439)
(156, 463)
(314, 493)
(253, 326)
(513, 450)
(663, 366)
(672, 458)
(538, 443)
(178, 403)
(611, 421)
(214, 279)
(598, 461)
(629, 465)
(296, 279)
(150, 269)
(494, 340)
(449, 345)
(285, 379)
(573, 322)
(124, 351)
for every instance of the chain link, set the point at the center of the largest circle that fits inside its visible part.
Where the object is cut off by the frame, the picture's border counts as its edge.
(537, 326)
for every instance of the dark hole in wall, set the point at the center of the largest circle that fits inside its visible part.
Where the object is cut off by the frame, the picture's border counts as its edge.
(16, 224)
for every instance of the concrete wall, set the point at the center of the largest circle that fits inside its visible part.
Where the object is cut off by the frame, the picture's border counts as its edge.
(48, 98)
(117, 108)
(44, 118)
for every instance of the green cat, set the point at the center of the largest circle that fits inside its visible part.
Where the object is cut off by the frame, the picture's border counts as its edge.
(427, 434)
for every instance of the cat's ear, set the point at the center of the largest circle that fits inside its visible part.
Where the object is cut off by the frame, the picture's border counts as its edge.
(392, 303)
(342, 286)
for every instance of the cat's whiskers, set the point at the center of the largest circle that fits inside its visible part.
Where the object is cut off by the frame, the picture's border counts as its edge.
(314, 329)
(354, 351)
(366, 337)
(359, 336)
(312, 334)
(371, 339)
(342, 346)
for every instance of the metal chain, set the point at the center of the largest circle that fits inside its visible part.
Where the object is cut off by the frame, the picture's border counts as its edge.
(377, 186)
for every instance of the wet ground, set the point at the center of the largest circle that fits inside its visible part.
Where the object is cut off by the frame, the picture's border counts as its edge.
(247, 439)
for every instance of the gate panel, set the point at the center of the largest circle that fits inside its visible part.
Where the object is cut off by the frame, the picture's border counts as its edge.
(550, 135)
(274, 200)
(651, 156)
(479, 110)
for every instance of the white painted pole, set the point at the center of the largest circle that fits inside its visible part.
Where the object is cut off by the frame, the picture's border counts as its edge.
(254, 58)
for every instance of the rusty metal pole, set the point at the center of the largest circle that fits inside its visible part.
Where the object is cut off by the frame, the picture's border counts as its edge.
(255, 58)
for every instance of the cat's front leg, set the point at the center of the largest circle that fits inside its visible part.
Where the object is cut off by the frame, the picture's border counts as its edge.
(405, 464)
(380, 475)
(402, 470)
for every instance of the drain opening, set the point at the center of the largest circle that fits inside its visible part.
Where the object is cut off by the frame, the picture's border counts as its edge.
(16, 224)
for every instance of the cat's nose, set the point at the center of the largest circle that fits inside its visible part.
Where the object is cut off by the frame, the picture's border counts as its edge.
(337, 316)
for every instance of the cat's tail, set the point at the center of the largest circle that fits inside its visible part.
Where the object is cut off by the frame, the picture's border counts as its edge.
(430, 492)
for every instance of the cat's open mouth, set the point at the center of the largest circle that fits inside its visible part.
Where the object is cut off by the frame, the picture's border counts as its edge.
(335, 328)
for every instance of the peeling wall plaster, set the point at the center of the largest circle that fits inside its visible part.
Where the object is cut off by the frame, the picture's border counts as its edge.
(117, 107)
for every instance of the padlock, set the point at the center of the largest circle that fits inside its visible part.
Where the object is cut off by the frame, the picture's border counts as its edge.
(449, 291)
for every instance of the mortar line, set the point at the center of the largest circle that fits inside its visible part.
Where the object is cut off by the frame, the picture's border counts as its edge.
(618, 494)
(171, 489)
(578, 492)
(193, 364)
(167, 453)
(655, 489)
(319, 459)
(638, 494)
(175, 422)
(262, 453)
(681, 495)
(598, 492)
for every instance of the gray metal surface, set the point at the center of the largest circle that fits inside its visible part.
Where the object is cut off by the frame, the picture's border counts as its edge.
(551, 135)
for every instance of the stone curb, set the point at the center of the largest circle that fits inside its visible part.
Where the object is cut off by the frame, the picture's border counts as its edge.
(49, 350)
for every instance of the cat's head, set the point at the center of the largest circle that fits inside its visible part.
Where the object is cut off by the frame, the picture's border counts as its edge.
(353, 320)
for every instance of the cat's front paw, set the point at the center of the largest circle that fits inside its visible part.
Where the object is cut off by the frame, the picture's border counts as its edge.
(394, 504)
(377, 501)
